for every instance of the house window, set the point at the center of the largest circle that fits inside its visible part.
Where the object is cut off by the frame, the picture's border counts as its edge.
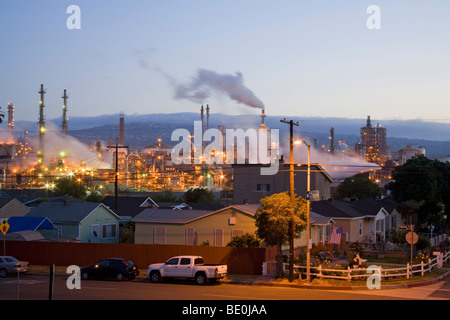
(218, 237)
(109, 231)
(262, 187)
(159, 235)
(360, 228)
(190, 236)
(237, 232)
(394, 222)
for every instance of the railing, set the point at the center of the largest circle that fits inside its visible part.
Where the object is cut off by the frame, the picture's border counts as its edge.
(355, 273)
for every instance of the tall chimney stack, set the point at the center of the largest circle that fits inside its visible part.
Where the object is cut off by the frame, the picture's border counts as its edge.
(41, 127)
(64, 118)
(122, 130)
(10, 116)
(207, 117)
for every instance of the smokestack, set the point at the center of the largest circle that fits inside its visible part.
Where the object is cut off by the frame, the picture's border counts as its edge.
(121, 130)
(207, 117)
(41, 127)
(64, 118)
(201, 116)
(10, 116)
(332, 140)
(263, 119)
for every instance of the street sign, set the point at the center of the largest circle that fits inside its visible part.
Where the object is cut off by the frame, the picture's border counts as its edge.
(4, 226)
(412, 237)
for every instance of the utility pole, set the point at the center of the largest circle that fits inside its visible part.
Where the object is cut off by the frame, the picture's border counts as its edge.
(117, 147)
(292, 195)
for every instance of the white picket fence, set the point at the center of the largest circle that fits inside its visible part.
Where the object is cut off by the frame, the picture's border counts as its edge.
(355, 273)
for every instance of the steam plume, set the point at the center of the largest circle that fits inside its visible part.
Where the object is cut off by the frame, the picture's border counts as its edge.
(205, 81)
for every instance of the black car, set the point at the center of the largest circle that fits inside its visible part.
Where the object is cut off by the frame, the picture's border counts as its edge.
(116, 268)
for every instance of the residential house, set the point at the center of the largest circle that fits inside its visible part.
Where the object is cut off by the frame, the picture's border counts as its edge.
(194, 227)
(250, 186)
(400, 214)
(128, 206)
(362, 220)
(79, 220)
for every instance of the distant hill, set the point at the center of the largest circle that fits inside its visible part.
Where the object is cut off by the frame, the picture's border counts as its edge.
(141, 130)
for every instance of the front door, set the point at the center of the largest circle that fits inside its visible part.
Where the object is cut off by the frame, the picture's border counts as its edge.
(94, 233)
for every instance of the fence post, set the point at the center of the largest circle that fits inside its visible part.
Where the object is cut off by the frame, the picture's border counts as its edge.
(380, 270)
(320, 271)
(407, 270)
(421, 268)
(349, 275)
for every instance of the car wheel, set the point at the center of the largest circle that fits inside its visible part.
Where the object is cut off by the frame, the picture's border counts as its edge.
(155, 276)
(200, 278)
(119, 276)
(85, 275)
(3, 273)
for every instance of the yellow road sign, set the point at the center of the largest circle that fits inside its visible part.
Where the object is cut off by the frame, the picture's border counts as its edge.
(4, 226)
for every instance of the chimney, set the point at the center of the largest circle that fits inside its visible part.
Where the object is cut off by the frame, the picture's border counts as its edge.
(121, 130)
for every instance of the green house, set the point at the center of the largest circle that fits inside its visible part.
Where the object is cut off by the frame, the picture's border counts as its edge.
(80, 220)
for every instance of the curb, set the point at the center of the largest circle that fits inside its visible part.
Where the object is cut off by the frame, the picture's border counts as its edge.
(299, 286)
(319, 287)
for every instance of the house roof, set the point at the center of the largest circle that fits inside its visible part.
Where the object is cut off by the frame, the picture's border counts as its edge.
(128, 206)
(66, 211)
(26, 195)
(29, 223)
(347, 209)
(169, 216)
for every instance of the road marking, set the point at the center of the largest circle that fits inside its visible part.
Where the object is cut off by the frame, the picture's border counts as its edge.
(99, 288)
(23, 281)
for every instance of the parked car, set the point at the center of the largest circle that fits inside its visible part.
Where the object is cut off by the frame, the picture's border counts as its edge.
(115, 268)
(189, 267)
(10, 264)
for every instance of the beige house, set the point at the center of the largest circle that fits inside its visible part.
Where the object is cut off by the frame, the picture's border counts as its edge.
(194, 227)
(363, 220)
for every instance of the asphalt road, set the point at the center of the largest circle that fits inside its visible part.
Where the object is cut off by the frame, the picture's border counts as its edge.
(34, 287)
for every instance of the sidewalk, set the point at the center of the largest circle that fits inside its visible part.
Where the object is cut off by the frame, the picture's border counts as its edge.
(260, 280)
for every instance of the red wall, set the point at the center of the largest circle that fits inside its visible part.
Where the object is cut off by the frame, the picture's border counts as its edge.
(239, 260)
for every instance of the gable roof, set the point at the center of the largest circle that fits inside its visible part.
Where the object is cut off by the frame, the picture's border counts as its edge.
(29, 223)
(128, 206)
(72, 211)
(347, 209)
(169, 216)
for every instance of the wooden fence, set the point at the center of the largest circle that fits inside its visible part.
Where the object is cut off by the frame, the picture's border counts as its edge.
(238, 260)
(357, 273)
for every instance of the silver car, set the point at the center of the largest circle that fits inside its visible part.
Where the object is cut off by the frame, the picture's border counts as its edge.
(10, 264)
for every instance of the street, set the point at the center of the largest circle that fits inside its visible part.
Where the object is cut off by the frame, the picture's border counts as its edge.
(34, 287)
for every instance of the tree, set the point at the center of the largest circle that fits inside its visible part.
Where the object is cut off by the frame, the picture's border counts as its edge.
(357, 187)
(246, 240)
(273, 219)
(195, 195)
(69, 187)
(425, 181)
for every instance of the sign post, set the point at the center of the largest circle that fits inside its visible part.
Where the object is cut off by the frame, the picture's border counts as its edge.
(412, 238)
(4, 226)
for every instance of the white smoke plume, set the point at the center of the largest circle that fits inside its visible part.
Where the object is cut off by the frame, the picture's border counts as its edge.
(206, 81)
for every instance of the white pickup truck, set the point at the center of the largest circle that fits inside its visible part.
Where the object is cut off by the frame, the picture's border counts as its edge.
(189, 267)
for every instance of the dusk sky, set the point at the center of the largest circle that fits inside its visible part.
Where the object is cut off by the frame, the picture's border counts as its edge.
(299, 58)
